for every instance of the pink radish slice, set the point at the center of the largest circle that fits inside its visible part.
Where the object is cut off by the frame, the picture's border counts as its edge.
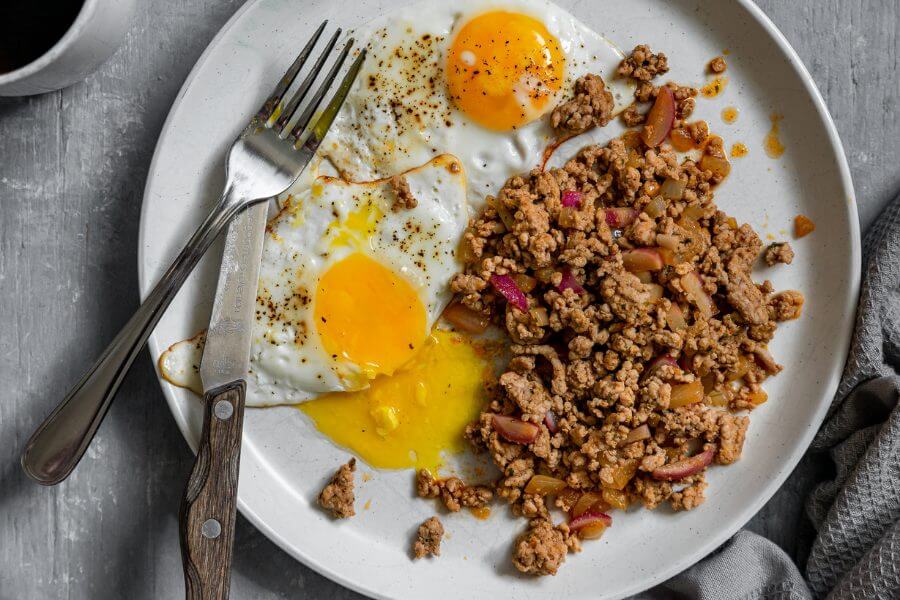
(686, 467)
(508, 288)
(660, 118)
(620, 217)
(570, 198)
(514, 430)
(550, 421)
(568, 282)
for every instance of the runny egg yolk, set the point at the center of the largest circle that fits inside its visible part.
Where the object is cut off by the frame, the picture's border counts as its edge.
(368, 315)
(409, 419)
(503, 69)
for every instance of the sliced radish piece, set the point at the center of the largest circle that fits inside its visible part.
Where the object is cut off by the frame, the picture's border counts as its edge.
(465, 319)
(544, 484)
(658, 363)
(686, 467)
(506, 285)
(620, 217)
(660, 118)
(570, 198)
(642, 259)
(590, 525)
(550, 421)
(568, 282)
(515, 430)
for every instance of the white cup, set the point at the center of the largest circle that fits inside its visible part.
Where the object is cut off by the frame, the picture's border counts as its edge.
(92, 38)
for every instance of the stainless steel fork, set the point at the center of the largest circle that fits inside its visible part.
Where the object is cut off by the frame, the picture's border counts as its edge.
(265, 159)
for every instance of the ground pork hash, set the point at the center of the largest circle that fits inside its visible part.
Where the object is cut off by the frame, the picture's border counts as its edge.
(637, 335)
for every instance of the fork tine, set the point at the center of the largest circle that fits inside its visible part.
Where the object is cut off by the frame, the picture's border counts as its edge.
(303, 123)
(301, 92)
(320, 128)
(270, 107)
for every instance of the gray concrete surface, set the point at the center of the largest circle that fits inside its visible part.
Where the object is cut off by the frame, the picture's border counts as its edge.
(72, 170)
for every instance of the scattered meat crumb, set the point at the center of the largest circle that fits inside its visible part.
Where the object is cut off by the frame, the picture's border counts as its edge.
(717, 65)
(592, 106)
(541, 549)
(452, 491)
(779, 252)
(642, 64)
(337, 497)
(428, 538)
(403, 197)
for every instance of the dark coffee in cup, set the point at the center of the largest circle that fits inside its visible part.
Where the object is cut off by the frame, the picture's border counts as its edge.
(29, 28)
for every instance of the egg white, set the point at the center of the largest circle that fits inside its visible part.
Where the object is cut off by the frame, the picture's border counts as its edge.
(399, 114)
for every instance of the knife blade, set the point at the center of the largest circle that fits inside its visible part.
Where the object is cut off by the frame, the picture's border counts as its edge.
(226, 355)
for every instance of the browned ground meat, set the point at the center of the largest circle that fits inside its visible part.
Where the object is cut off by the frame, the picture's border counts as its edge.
(403, 197)
(717, 65)
(780, 252)
(662, 337)
(643, 65)
(452, 491)
(428, 538)
(337, 497)
(542, 548)
(592, 106)
(632, 117)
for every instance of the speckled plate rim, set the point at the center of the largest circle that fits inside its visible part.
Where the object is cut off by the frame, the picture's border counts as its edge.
(842, 334)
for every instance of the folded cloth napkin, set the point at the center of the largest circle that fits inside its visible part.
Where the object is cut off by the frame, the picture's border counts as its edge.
(856, 515)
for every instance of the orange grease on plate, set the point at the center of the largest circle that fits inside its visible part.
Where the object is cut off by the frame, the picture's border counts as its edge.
(738, 150)
(714, 87)
(729, 114)
(368, 504)
(481, 513)
(774, 147)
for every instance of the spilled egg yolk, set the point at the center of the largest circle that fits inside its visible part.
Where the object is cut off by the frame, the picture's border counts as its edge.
(368, 315)
(503, 69)
(410, 418)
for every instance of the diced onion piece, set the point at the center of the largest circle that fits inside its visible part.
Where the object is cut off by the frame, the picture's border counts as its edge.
(686, 393)
(642, 259)
(694, 212)
(570, 198)
(622, 474)
(757, 397)
(686, 467)
(515, 430)
(526, 283)
(568, 282)
(567, 498)
(693, 288)
(675, 317)
(539, 316)
(550, 421)
(506, 285)
(566, 216)
(620, 217)
(590, 525)
(742, 367)
(717, 165)
(803, 226)
(656, 290)
(670, 242)
(658, 363)
(465, 319)
(660, 118)
(544, 484)
(586, 502)
(505, 215)
(656, 207)
(632, 138)
(638, 433)
(644, 276)
(720, 398)
(615, 498)
(544, 274)
(681, 139)
(673, 189)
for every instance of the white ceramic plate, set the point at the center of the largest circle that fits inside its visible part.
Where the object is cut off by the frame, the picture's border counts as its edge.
(285, 461)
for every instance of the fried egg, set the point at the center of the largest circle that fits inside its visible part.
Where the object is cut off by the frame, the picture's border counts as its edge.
(349, 287)
(473, 78)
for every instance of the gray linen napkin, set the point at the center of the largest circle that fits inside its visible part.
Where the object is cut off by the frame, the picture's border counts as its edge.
(856, 550)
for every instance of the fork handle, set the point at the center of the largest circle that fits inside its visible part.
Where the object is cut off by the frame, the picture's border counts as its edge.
(60, 441)
(206, 519)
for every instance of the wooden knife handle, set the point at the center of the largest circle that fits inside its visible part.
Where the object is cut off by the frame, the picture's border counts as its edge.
(210, 499)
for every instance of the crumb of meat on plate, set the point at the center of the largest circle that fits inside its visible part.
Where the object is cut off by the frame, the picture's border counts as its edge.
(428, 538)
(779, 252)
(717, 65)
(337, 497)
(452, 491)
